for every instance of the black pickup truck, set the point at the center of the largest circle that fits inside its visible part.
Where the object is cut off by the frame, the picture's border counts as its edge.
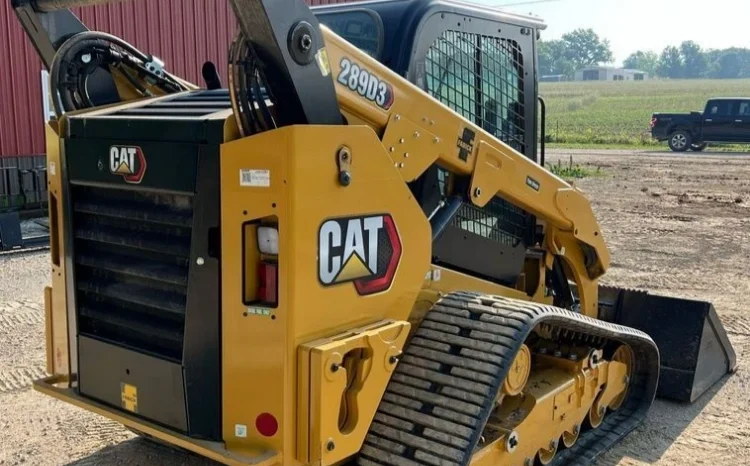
(725, 120)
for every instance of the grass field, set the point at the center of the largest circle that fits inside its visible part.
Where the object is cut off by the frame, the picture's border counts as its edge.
(618, 113)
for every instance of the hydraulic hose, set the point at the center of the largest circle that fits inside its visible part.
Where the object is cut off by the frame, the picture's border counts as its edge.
(84, 53)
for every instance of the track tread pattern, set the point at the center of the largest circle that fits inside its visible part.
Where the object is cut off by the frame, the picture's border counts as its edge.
(442, 392)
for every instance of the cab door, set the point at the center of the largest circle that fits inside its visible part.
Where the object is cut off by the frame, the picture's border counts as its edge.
(484, 70)
(741, 123)
(718, 121)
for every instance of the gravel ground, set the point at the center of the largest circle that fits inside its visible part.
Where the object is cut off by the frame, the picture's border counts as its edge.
(676, 225)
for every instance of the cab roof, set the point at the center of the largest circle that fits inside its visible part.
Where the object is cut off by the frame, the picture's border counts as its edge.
(429, 6)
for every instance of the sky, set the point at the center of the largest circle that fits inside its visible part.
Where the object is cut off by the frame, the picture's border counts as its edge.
(632, 25)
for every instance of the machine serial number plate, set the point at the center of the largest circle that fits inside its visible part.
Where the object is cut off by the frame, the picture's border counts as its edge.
(255, 178)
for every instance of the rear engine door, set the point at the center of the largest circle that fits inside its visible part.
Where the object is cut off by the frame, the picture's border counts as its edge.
(718, 121)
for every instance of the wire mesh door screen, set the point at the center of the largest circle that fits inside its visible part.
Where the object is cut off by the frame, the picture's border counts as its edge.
(481, 78)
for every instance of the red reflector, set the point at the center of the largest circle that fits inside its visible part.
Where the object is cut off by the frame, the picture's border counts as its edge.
(267, 425)
(267, 283)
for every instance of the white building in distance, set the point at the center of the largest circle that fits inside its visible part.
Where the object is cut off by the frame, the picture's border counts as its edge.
(610, 73)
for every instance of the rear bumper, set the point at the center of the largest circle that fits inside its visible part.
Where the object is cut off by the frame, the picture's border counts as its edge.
(660, 134)
(58, 387)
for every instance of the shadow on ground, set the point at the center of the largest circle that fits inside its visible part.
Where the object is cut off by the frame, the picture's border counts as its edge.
(665, 423)
(142, 452)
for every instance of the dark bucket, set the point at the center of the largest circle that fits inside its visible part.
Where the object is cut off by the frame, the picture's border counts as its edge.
(693, 345)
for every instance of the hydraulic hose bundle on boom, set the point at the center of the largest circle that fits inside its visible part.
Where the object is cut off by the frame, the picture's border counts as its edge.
(334, 261)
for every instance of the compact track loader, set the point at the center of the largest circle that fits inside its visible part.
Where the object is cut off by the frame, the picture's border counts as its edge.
(351, 255)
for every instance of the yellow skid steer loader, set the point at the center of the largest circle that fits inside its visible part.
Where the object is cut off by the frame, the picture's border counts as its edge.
(353, 254)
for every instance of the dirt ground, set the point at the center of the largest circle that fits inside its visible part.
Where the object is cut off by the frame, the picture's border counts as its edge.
(676, 225)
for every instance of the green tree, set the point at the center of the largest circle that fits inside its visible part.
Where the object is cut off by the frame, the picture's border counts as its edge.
(644, 61)
(583, 47)
(693, 59)
(552, 59)
(730, 65)
(670, 63)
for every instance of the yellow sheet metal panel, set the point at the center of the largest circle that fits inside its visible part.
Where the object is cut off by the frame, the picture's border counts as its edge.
(316, 299)
(254, 347)
(48, 336)
(58, 315)
(58, 387)
(348, 376)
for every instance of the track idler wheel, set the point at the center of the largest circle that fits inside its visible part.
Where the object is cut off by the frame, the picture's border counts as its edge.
(519, 372)
(623, 355)
(569, 438)
(545, 456)
(596, 415)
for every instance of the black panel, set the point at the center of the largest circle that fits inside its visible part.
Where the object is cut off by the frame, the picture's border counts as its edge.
(299, 88)
(139, 286)
(202, 350)
(103, 368)
(169, 166)
(195, 104)
(47, 31)
(361, 27)
(478, 255)
(488, 242)
(154, 122)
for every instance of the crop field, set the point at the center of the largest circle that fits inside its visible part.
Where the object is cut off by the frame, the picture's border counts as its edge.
(618, 113)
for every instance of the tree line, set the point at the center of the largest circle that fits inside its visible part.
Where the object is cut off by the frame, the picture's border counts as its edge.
(583, 47)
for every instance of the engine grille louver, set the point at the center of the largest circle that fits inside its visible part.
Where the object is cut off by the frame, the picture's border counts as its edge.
(131, 257)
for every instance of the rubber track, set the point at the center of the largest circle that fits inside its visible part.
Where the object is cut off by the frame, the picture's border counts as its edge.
(443, 390)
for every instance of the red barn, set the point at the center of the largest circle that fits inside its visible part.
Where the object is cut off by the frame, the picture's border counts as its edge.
(183, 33)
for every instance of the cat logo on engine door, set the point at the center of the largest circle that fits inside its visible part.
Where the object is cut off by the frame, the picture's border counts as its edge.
(363, 250)
(127, 161)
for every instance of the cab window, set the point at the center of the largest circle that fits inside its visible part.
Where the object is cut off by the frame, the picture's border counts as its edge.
(743, 109)
(481, 78)
(719, 108)
(361, 27)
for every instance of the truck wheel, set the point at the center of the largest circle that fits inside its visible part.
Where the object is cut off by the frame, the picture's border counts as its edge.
(698, 147)
(680, 141)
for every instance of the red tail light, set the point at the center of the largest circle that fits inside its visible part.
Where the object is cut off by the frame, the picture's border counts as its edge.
(268, 289)
(268, 267)
(653, 121)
